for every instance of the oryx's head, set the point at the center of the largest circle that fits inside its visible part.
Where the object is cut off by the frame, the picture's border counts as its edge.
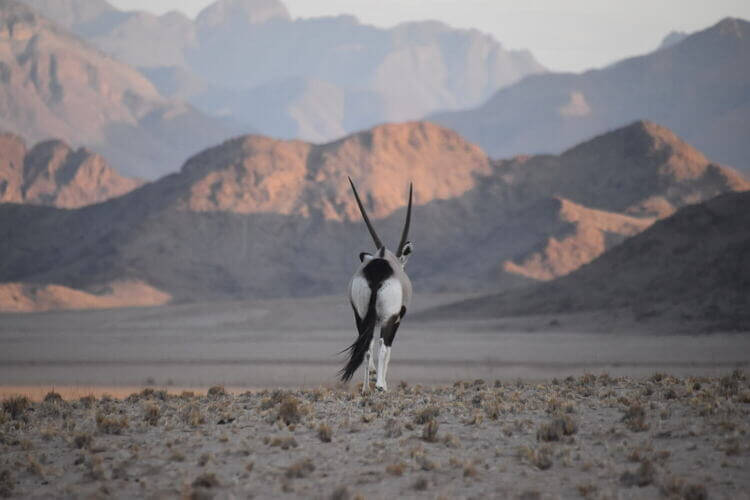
(404, 246)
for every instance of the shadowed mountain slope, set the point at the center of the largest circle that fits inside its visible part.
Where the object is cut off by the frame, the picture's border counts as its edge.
(693, 266)
(697, 86)
(51, 173)
(257, 217)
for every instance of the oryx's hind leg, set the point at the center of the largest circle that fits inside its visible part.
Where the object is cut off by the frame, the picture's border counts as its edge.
(387, 335)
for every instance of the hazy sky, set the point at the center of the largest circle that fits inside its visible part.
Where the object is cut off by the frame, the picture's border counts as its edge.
(563, 34)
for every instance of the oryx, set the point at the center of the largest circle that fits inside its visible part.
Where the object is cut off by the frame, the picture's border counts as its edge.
(380, 292)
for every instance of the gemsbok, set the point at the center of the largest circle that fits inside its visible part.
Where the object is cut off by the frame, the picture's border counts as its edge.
(380, 292)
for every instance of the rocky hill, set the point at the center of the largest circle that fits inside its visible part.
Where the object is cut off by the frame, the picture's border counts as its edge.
(51, 173)
(312, 79)
(695, 85)
(692, 268)
(56, 85)
(258, 217)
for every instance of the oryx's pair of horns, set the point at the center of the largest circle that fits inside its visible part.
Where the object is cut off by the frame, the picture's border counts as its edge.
(378, 243)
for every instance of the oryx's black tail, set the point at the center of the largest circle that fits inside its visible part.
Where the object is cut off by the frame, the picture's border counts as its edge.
(357, 350)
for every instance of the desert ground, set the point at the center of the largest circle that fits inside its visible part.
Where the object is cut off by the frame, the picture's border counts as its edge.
(237, 400)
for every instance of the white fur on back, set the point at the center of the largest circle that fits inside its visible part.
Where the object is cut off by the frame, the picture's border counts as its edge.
(390, 299)
(360, 295)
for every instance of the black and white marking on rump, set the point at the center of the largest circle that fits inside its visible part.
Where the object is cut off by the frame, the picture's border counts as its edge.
(376, 272)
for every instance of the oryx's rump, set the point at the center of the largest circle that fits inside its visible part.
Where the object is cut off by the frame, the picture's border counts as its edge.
(367, 301)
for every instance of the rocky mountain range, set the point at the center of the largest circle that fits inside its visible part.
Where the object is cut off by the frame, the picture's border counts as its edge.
(258, 217)
(697, 85)
(691, 269)
(51, 173)
(56, 85)
(312, 79)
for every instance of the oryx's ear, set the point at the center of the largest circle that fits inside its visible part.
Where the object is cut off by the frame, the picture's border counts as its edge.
(406, 252)
(364, 256)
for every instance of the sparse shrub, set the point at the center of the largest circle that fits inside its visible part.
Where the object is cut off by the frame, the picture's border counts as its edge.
(421, 484)
(193, 416)
(451, 441)
(426, 414)
(53, 397)
(15, 406)
(492, 410)
(396, 469)
(392, 428)
(430, 430)
(216, 391)
(541, 458)
(560, 426)
(111, 424)
(470, 471)
(635, 418)
(642, 476)
(82, 440)
(587, 489)
(6, 483)
(300, 469)
(695, 492)
(284, 442)
(289, 412)
(87, 401)
(324, 433)
(34, 467)
(151, 413)
(206, 480)
(728, 386)
(669, 394)
(341, 493)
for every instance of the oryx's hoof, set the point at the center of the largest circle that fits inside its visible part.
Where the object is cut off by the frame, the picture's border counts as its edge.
(381, 388)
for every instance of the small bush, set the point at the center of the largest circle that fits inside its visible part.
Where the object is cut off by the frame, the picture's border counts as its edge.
(324, 433)
(426, 414)
(392, 428)
(15, 406)
(111, 424)
(206, 480)
(82, 440)
(421, 484)
(151, 413)
(300, 469)
(284, 442)
(430, 430)
(216, 391)
(289, 410)
(6, 483)
(53, 397)
(635, 418)
(555, 430)
(396, 469)
(193, 416)
(642, 476)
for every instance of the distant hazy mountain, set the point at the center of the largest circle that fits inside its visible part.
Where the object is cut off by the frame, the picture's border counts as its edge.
(691, 269)
(55, 85)
(313, 79)
(699, 87)
(52, 174)
(258, 217)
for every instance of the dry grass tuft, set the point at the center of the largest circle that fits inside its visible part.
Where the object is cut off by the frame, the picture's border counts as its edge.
(151, 413)
(587, 490)
(6, 483)
(470, 471)
(111, 424)
(396, 469)
(206, 480)
(426, 414)
(635, 418)
(284, 442)
(392, 428)
(324, 433)
(82, 440)
(15, 406)
(695, 492)
(541, 458)
(289, 412)
(216, 391)
(341, 493)
(193, 416)
(300, 469)
(430, 431)
(87, 401)
(421, 484)
(53, 397)
(560, 426)
(642, 476)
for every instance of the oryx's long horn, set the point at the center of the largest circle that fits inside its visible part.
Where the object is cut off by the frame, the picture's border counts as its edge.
(378, 243)
(405, 234)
